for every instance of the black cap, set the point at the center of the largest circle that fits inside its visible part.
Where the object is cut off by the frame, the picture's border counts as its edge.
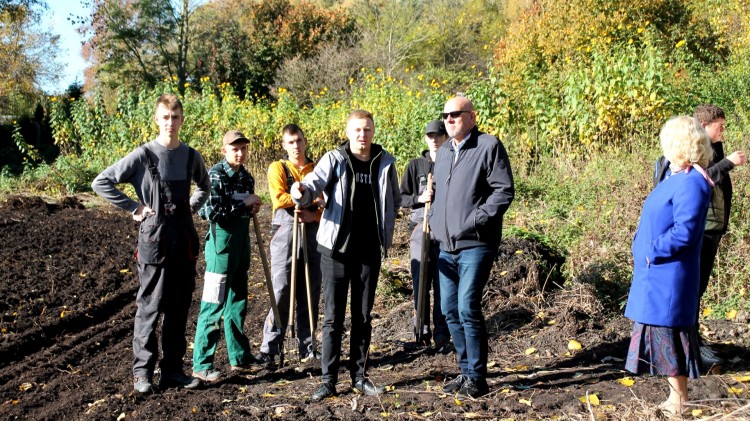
(435, 126)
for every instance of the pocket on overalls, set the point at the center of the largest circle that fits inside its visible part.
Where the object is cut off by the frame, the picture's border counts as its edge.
(217, 251)
(214, 286)
(149, 242)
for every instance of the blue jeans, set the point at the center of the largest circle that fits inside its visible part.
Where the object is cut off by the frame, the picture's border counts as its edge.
(463, 275)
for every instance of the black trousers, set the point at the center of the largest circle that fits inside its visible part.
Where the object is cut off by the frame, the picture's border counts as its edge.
(166, 289)
(708, 256)
(337, 277)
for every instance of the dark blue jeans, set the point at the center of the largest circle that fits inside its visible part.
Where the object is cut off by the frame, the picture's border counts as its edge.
(463, 275)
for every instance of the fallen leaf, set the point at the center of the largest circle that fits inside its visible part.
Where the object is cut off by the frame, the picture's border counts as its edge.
(626, 381)
(491, 364)
(707, 312)
(574, 345)
(551, 322)
(735, 390)
(745, 378)
(124, 270)
(231, 400)
(592, 399)
(568, 354)
(503, 273)
(457, 402)
(194, 411)
(731, 314)
(122, 415)
(267, 395)
(26, 386)
(82, 275)
(530, 351)
(390, 388)
(505, 391)
(385, 414)
(696, 413)
(472, 415)
(525, 401)
(355, 403)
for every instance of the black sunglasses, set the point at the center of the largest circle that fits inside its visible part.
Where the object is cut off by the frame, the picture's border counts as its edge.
(454, 114)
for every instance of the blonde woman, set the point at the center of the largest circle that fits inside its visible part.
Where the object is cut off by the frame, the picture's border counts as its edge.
(663, 298)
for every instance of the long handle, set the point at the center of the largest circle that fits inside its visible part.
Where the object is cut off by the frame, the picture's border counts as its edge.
(293, 277)
(267, 272)
(424, 262)
(307, 286)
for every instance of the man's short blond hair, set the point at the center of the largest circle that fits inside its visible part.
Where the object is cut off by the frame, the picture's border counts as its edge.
(360, 114)
(684, 142)
(170, 102)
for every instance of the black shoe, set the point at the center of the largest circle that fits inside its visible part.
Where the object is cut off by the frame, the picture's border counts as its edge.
(367, 387)
(311, 355)
(325, 390)
(178, 380)
(266, 360)
(454, 385)
(474, 388)
(709, 356)
(142, 384)
(445, 348)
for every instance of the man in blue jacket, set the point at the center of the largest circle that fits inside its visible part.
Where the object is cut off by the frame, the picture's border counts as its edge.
(473, 190)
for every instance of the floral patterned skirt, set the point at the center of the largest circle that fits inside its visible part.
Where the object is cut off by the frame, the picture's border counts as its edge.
(664, 351)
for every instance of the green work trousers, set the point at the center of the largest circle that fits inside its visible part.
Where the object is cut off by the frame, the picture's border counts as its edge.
(224, 295)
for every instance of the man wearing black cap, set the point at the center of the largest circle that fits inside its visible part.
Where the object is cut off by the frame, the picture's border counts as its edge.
(229, 208)
(414, 194)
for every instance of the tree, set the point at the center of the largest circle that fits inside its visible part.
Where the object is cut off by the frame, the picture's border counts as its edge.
(29, 55)
(135, 41)
(244, 43)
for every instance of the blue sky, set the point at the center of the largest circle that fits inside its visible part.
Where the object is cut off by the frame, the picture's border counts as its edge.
(56, 20)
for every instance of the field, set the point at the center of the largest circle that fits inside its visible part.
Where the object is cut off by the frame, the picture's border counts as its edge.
(67, 301)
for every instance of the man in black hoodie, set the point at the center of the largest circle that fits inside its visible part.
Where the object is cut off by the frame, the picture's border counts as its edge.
(415, 193)
(473, 190)
(713, 119)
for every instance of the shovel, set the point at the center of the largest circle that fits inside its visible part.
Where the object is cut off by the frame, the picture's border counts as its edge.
(292, 343)
(423, 268)
(309, 294)
(269, 283)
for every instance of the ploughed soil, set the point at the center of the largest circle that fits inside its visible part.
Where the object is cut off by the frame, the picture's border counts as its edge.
(67, 300)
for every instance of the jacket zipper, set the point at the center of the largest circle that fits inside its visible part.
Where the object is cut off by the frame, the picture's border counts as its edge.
(377, 204)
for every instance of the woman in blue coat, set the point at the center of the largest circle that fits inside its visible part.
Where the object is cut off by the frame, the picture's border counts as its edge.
(663, 299)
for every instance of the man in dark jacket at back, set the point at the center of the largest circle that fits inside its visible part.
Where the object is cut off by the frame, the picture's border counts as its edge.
(473, 190)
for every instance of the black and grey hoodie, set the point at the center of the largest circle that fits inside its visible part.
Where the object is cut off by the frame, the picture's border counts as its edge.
(333, 177)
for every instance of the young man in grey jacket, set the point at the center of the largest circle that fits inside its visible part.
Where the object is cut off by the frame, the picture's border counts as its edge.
(360, 188)
(473, 189)
(161, 173)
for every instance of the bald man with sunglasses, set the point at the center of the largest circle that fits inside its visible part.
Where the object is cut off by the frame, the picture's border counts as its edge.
(473, 190)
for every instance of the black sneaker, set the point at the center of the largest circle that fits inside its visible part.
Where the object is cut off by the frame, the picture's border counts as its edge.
(324, 391)
(454, 385)
(311, 355)
(473, 388)
(142, 385)
(709, 357)
(178, 380)
(367, 387)
(266, 360)
(444, 348)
